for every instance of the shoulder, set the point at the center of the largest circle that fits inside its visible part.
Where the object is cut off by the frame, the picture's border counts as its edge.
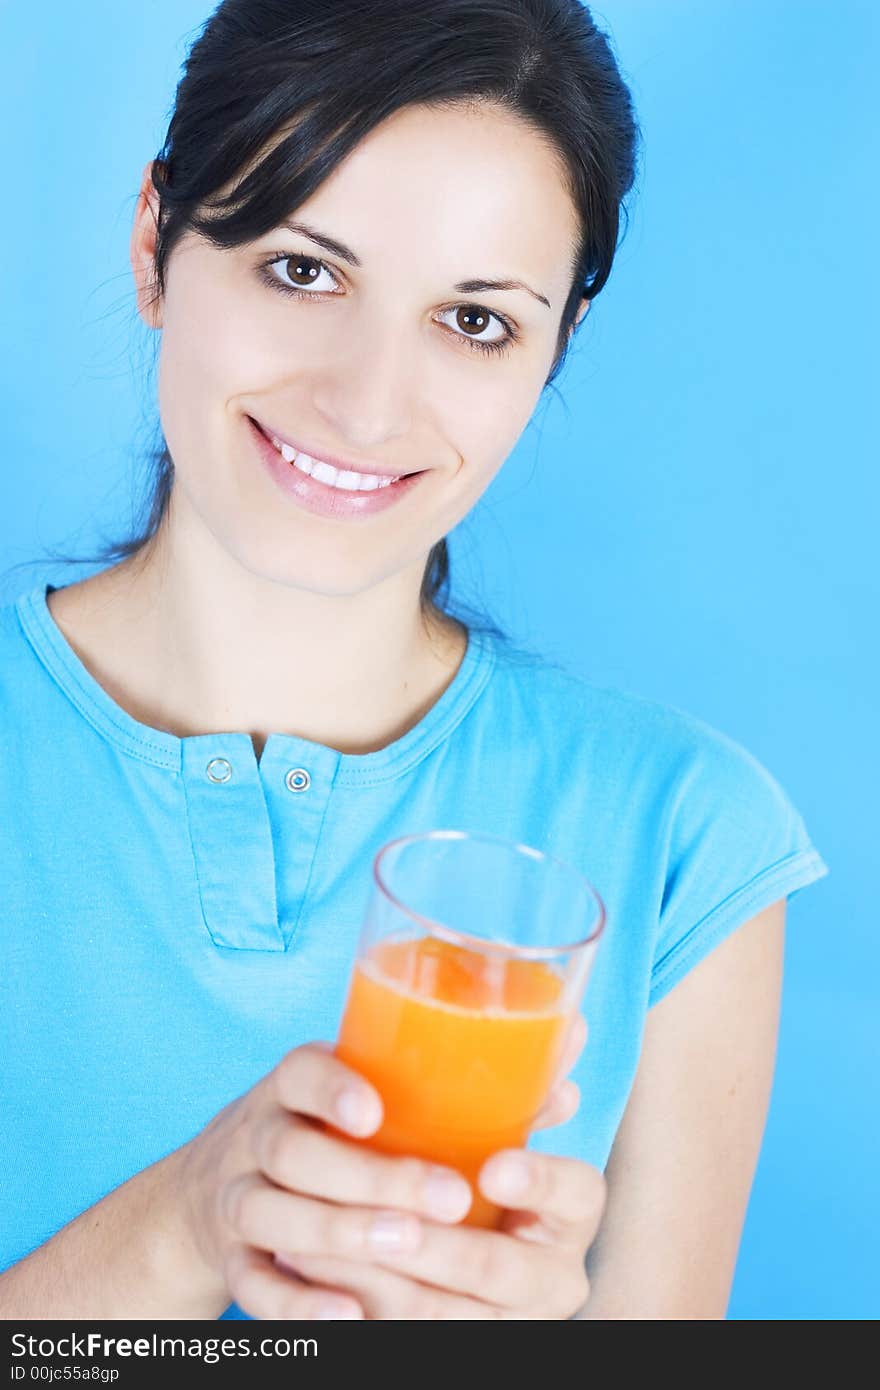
(24, 687)
(708, 828)
(692, 755)
(706, 769)
(9, 620)
(14, 649)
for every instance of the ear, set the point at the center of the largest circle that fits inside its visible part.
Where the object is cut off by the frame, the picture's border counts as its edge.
(142, 251)
(582, 310)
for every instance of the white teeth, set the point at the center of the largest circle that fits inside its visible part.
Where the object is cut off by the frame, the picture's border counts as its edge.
(326, 473)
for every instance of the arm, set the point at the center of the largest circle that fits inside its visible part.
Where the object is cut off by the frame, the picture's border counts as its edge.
(125, 1257)
(684, 1157)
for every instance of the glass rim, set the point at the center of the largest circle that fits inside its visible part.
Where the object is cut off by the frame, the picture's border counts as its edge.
(451, 934)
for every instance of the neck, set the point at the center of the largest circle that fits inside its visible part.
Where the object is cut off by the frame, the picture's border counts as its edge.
(187, 640)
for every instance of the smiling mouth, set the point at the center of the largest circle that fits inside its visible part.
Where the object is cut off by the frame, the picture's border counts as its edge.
(342, 479)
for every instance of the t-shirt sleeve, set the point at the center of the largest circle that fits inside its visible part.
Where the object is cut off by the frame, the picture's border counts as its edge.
(736, 843)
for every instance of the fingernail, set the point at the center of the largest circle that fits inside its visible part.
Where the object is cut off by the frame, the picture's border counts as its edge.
(446, 1196)
(355, 1110)
(510, 1179)
(394, 1230)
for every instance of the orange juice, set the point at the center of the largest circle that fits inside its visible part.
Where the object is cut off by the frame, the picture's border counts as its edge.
(462, 1045)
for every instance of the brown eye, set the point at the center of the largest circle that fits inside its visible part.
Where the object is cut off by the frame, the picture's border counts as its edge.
(302, 269)
(300, 276)
(299, 273)
(472, 319)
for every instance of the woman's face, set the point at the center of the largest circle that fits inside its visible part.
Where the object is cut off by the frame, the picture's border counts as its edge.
(375, 363)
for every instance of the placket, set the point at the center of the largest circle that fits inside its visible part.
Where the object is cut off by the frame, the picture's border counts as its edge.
(255, 828)
(297, 777)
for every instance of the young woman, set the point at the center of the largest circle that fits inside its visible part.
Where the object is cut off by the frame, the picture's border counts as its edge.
(366, 243)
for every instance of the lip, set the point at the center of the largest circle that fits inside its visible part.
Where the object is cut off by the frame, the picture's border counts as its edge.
(342, 464)
(318, 497)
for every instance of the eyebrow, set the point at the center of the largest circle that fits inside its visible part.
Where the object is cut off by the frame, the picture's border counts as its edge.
(337, 248)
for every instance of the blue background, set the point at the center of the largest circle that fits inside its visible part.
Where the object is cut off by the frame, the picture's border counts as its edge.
(691, 514)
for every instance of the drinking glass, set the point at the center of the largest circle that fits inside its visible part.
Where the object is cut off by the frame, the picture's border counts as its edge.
(470, 969)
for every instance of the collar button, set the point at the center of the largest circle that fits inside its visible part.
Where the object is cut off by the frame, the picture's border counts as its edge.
(298, 780)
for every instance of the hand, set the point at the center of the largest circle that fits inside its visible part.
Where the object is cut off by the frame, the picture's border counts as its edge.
(265, 1174)
(532, 1268)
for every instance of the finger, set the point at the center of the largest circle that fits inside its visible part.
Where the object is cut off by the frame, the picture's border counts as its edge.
(560, 1106)
(388, 1295)
(266, 1292)
(272, 1218)
(460, 1260)
(299, 1155)
(311, 1080)
(467, 1261)
(567, 1194)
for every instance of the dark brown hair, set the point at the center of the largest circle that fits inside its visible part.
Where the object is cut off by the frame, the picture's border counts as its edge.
(326, 74)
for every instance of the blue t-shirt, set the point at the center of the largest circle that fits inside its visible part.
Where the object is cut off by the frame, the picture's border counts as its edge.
(168, 937)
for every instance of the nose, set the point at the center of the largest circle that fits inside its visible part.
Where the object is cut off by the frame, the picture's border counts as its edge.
(368, 388)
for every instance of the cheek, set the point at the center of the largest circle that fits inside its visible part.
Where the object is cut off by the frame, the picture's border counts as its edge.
(208, 360)
(214, 345)
(487, 424)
